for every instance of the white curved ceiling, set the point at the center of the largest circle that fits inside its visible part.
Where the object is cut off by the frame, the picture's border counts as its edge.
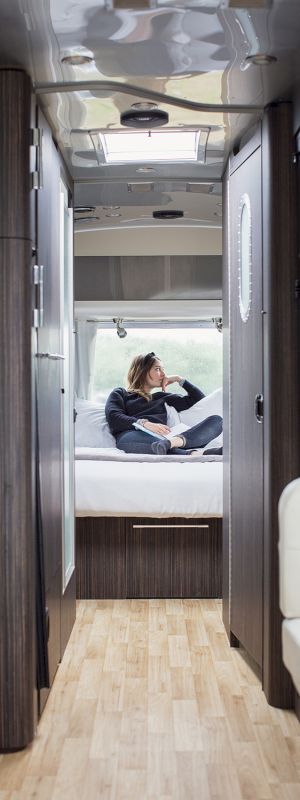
(194, 52)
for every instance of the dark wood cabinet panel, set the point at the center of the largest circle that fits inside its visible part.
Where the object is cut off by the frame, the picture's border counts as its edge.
(15, 105)
(145, 557)
(100, 558)
(252, 612)
(17, 669)
(17, 530)
(246, 431)
(281, 371)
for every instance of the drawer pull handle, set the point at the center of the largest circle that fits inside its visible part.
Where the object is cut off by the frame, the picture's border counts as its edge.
(170, 526)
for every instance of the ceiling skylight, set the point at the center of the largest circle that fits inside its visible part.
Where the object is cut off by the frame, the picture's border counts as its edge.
(127, 147)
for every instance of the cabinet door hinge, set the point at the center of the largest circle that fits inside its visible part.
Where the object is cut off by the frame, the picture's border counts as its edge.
(37, 142)
(38, 295)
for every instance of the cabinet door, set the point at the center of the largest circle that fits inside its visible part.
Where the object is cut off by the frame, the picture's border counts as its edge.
(49, 383)
(246, 407)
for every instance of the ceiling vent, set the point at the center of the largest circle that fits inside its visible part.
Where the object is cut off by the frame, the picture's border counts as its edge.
(200, 188)
(144, 118)
(140, 187)
(84, 209)
(172, 214)
(85, 219)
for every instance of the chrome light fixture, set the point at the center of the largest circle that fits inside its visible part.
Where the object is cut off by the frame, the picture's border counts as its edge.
(218, 323)
(76, 57)
(120, 327)
(261, 59)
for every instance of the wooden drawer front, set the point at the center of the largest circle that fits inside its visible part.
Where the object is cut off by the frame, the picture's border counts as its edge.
(131, 557)
(173, 559)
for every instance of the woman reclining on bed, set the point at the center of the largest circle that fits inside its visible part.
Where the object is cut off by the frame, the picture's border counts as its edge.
(138, 404)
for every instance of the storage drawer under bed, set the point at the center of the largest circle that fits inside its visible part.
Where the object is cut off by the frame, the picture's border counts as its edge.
(123, 557)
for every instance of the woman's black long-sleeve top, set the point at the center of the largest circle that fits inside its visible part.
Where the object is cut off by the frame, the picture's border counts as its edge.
(124, 408)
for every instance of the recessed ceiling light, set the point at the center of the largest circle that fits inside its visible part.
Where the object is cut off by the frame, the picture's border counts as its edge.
(261, 59)
(110, 208)
(113, 214)
(145, 169)
(77, 59)
(144, 105)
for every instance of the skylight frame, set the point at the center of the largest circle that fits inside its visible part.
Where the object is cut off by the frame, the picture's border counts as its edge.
(187, 155)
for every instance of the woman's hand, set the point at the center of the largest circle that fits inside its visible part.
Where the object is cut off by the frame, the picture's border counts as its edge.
(170, 379)
(156, 427)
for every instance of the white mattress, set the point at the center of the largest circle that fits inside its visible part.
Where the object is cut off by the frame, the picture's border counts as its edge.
(155, 489)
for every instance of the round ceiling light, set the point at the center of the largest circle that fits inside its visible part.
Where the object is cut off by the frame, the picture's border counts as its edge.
(144, 106)
(144, 118)
(77, 59)
(110, 208)
(113, 214)
(171, 214)
(145, 169)
(261, 59)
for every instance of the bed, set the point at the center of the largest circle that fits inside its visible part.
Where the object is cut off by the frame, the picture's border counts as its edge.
(147, 526)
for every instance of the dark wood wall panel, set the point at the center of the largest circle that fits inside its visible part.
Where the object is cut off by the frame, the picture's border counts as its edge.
(132, 557)
(17, 598)
(281, 371)
(15, 94)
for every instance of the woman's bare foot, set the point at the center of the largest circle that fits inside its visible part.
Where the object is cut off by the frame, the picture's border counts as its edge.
(177, 441)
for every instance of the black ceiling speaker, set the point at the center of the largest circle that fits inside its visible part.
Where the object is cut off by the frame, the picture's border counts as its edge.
(167, 214)
(144, 118)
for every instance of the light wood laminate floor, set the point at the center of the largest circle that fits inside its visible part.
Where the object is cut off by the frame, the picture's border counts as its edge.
(150, 703)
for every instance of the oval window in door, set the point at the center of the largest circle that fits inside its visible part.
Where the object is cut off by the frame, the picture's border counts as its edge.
(245, 260)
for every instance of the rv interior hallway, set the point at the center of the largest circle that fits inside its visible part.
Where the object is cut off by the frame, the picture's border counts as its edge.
(150, 703)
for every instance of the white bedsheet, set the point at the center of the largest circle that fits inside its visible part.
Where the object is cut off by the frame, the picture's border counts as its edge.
(154, 489)
(114, 454)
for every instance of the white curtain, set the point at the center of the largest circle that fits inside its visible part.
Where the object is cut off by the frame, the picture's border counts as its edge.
(85, 345)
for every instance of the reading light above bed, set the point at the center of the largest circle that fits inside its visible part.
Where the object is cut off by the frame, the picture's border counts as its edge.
(120, 328)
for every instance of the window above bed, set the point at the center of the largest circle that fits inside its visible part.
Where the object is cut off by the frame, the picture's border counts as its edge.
(194, 353)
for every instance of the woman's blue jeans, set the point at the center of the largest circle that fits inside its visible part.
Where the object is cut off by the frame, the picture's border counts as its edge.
(139, 442)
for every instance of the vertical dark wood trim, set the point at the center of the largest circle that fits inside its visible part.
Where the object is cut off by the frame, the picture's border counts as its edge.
(226, 409)
(281, 375)
(17, 579)
(15, 100)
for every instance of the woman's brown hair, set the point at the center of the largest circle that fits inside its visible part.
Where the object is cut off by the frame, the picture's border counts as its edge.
(138, 371)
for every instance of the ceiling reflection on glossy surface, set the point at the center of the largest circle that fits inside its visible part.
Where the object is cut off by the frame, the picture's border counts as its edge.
(188, 50)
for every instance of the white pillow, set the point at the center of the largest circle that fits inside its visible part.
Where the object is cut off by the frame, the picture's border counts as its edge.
(172, 416)
(91, 426)
(211, 404)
